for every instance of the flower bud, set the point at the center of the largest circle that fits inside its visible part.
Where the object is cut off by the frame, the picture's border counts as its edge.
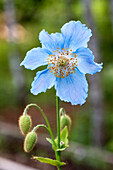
(62, 111)
(30, 141)
(25, 124)
(65, 120)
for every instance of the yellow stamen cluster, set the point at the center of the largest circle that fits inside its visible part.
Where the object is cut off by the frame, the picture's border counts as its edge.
(62, 62)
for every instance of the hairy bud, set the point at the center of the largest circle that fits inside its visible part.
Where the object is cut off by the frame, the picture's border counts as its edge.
(65, 120)
(25, 124)
(62, 111)
(30, 141)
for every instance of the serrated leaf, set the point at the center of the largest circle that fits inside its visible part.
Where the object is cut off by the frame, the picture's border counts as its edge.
(49, 140)
(49, 161)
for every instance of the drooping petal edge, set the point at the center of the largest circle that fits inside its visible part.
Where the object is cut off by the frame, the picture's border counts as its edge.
(85, 61)
(44, 80)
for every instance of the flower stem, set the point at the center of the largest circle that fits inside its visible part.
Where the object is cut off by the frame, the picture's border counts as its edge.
(40, 125)
(58, 130)
(43, 114)
(57, 153)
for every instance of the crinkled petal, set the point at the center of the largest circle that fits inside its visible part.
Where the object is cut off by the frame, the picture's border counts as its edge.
(73, 88)
(35, 58)
(85, 61)
(58, 40)
(52, 41)
(76, 35)
(44, 80)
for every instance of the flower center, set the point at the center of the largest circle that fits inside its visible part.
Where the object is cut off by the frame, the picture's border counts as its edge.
(62, 62)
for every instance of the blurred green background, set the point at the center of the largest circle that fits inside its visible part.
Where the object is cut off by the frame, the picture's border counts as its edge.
(20, 24)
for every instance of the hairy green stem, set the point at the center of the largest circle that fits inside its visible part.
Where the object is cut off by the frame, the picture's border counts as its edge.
(58, 130)
(57, 153)
(40, 125)
(47, 122)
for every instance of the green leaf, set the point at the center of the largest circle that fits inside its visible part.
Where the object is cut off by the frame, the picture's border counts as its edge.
(49, 161)
(63, 139)
(49, 140)
(64, 135)
(62, 149)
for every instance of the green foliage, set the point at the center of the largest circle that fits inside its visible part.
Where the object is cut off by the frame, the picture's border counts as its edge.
(26, 11)
(107, 81)
(63, 139)
(64, 135)
(49, 161)
(81, 128)
(49, 140)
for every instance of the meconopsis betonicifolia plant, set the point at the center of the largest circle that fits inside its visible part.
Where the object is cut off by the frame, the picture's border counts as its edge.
(68, 60)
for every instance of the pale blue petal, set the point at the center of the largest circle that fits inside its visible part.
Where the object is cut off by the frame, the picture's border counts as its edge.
(58, 40)
(52, 41)
(44, 80)
(35, 58)
(85, 61)
(73, 88)
(76, 35)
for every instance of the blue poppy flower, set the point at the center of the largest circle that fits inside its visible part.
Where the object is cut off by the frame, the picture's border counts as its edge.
(68, 60)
